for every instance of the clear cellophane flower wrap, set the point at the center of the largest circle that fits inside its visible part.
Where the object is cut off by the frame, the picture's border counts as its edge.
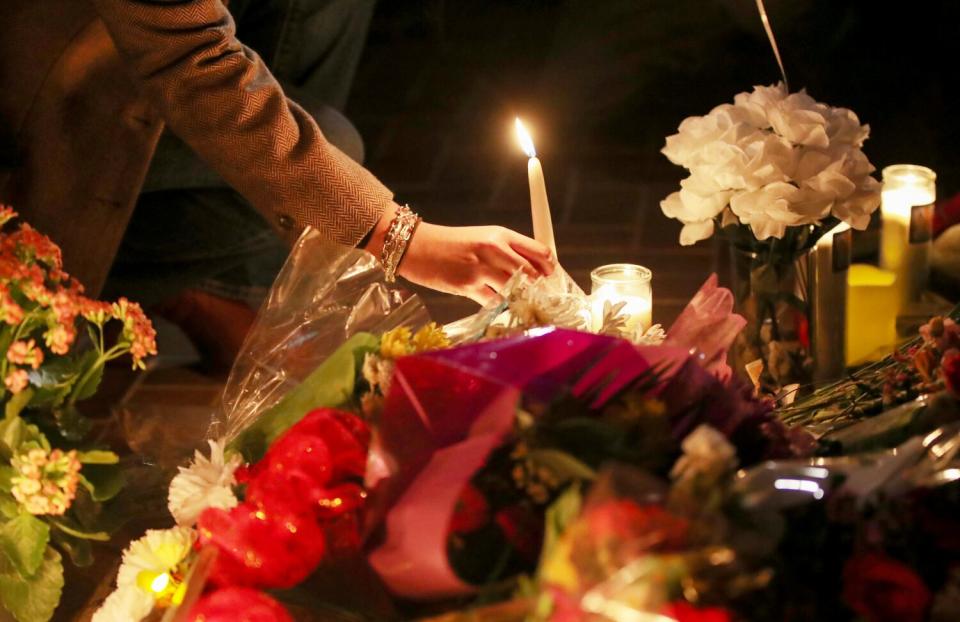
(324, 295)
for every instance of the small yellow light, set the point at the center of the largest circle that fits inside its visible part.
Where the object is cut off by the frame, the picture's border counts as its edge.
(160, 583)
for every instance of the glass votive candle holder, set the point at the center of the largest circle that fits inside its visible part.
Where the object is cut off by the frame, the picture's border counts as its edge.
(623, 283)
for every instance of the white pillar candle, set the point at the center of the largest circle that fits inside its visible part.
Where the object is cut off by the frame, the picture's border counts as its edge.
(626, 283)
(827, 268)
(539, 206)
(908, 196)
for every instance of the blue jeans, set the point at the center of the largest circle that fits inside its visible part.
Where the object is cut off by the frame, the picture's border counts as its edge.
(190, 229)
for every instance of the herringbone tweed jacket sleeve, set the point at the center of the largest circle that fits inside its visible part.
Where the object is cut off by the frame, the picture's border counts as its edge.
(219, 97)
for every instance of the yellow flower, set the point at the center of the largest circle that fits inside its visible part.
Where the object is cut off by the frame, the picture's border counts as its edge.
(396, 343)
(430, 337)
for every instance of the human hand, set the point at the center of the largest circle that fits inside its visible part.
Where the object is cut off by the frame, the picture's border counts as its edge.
(475, 262)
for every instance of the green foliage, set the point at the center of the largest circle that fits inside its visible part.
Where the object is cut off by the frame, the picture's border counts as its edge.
(561, 513)
(33, 598)
(23, 540)
(331, 384)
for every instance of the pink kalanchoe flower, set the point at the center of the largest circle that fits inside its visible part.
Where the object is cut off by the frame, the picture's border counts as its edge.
(137, 330)
(25, 353)
(6, 214)
(17, 380)
(60, 337)
(45, 483)
(10, 312)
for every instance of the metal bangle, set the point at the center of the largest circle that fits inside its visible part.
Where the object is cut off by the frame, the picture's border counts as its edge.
(397, 240)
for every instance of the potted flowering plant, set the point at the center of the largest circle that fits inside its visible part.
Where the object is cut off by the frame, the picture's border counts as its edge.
(52, 484)
(773, 171)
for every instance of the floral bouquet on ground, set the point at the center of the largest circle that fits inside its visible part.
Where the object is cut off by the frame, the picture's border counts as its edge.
(854, 539)
(53, 485)
(773, 171)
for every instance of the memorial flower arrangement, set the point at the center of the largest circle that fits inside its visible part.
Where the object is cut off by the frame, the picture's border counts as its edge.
(778, 164)
(782, 541)
(774, 171)
(52, 486)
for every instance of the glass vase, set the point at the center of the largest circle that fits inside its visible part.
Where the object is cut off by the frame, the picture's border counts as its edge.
(771, 293)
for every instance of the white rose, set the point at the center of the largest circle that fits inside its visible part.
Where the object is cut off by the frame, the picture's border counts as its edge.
(696, 212)
(855, 210)
(759, 103)
(801, 120)
(844, 127)
(767, 210)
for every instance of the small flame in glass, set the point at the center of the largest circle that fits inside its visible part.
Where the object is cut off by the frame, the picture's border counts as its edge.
(526, 142)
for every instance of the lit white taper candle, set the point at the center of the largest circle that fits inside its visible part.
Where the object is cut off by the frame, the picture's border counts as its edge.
(539, 206)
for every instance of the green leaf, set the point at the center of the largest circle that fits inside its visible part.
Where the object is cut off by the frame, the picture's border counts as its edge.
(562, 464)
(6, 475)
(559, 516)
(71, 423)
(103, 482)
(330, 384)
(34, 599)
(17, 403)
(97, 456)
(9, 507)
(91, 373)
(15, 434)
(53, 381)
(23, 540)
(80, 551)
(77, 532)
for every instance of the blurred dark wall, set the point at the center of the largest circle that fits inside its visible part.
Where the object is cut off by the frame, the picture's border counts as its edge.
(631, 70)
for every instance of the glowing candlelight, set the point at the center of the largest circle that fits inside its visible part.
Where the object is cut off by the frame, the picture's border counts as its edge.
(539, 206)
(908, 195)
(626, 283)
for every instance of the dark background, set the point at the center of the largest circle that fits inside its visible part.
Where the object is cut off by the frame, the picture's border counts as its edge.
(603, 82)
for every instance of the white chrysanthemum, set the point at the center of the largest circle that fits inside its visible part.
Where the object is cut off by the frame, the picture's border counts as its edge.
(125, 604)
(158, 552)
(653, 336)
(206, 483)
(540, 303)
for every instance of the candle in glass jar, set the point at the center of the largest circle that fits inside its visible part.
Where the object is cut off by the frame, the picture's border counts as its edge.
(539, 205)
(623, 283)
(908, 195)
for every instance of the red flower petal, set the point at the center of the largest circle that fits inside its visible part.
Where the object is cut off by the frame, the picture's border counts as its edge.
(238, 604)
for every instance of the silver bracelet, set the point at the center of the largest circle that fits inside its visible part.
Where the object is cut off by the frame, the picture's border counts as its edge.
(397, 240)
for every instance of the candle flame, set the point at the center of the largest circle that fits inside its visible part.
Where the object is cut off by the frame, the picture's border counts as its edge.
(526, 142)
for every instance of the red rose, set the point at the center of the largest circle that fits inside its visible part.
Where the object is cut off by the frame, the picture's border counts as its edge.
(950, 367)
(882, 589)
(238, 604)
(261, 547)
(523, 529)
(471, 511)
(346, 435)
(682, 611)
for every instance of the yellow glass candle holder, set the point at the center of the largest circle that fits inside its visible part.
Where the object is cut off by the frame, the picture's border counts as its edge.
(872, 298)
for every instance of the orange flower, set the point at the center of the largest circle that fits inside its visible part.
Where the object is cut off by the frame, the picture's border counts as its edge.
(6, 214)
(17, 380)
(137, 329)
(59, 338)
(94, 310)
(10, 311)
(31, 244)
(25, 353)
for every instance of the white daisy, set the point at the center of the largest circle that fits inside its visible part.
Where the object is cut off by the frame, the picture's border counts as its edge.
(146, 573)
(125, 604)
(206, 483)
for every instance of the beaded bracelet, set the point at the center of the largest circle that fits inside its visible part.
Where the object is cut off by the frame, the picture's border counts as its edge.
(397, 240)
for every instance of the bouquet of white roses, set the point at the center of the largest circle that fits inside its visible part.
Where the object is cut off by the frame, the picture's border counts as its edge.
(771, 161)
